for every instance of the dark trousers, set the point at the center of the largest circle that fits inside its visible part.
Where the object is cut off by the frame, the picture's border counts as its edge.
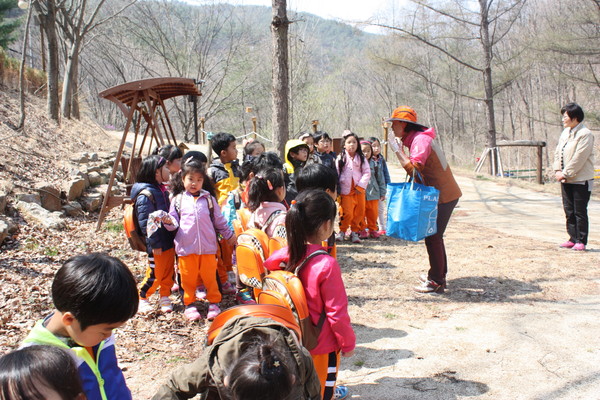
(438, 264)
(575, 200)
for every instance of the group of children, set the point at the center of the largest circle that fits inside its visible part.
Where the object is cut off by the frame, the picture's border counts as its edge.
(187, 212)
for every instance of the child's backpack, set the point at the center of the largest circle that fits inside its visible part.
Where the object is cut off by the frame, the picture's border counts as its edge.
(280, 314)
(285, 288)
(135, 236)
(251, 252)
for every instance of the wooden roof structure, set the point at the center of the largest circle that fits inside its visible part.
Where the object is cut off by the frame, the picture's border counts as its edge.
(142, 101)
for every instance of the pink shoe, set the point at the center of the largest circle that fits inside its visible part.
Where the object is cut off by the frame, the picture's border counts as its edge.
(567, 245)
(354, 237)
(213, 311)
(228, 288)
(374, 234)
(201, 292)
(192, 314)
(363, 234)
(579, 247)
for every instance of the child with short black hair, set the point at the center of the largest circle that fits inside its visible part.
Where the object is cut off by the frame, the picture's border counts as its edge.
(39, 373)
(320, 177)
(309, 221)
(252, 149)
(150, 195)
(93, 295)
(224, 170)
(252, 358)
(323, 144)
(225, 174)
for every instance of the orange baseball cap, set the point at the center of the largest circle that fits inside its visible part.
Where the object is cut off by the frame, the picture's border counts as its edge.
(405, 114)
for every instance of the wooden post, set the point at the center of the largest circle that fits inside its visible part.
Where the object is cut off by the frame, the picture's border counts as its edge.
(254, 127)
(385, 126)
(203, 138)
(315, 125)
(540, 178)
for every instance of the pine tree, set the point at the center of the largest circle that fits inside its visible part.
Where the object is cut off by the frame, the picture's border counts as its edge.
(7, 28)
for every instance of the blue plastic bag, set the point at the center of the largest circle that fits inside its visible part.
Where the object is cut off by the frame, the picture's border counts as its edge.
(412, 210)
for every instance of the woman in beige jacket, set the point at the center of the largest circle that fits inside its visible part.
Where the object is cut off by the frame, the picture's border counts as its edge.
(574, 169)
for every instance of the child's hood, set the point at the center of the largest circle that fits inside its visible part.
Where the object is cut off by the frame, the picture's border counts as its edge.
(262, 213)
(408, 139)
(290, 145)
(273, 263)
(139, 186)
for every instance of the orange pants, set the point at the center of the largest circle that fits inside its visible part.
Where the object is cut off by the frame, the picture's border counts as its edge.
(371, 215)
(195, 267)
(225, 259)
(159, 274)
(326, 366)
(354, 211)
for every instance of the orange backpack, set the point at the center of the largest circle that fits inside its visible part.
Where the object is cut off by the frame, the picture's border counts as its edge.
(135, 236)
(286, 289)
(251, 252)
(280, 314)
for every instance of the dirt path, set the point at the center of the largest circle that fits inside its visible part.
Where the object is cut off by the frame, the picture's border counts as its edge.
(520, 320)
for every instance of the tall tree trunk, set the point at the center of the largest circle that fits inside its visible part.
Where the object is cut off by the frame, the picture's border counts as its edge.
(280, 91)
(487, 77)
(75, 92)
(70, 76)
(47, 17)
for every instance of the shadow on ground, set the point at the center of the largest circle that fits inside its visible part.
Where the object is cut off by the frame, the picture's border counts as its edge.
(442, 386)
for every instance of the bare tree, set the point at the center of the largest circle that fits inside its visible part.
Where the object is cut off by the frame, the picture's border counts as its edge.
(280, 91)
(46, 13)
(76, 22)
(489, 25)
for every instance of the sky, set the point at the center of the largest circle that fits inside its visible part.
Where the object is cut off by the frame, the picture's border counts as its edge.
(347, 10)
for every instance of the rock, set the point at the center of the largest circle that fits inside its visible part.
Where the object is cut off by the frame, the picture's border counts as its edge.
(105, 177)
(36, 214)
(49, 196)
(3, 201)
(95, 179)
(93, 157)
(73, 209)
(12, 225)
(74, 188)
(92, 201)
(29, 198)
(119, 176)
(3, 231)
(94, 168)
(82, 159)
(115, 190)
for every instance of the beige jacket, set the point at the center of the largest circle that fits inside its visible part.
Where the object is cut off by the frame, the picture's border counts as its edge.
(576, 146)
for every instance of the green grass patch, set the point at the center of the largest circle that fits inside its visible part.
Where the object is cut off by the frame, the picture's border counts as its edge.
(51, 251)
(390, 316)
(114, 226)
(359, 363)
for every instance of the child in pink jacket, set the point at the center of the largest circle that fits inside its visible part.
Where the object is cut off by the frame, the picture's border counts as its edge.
(354, 172)
(308, 222)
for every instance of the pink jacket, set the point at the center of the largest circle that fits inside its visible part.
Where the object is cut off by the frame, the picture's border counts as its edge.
(324, 289)
(353, 171)
(262, 214)
(196, 233)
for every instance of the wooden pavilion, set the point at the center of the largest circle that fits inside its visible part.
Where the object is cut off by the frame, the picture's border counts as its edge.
(142, 103)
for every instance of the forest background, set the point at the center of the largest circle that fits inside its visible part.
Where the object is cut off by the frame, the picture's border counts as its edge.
(432, 55)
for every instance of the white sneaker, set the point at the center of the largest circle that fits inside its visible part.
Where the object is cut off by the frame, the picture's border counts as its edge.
(144, 307)
(165, 304)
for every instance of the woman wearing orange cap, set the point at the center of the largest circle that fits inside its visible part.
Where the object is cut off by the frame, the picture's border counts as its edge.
(426, 156)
